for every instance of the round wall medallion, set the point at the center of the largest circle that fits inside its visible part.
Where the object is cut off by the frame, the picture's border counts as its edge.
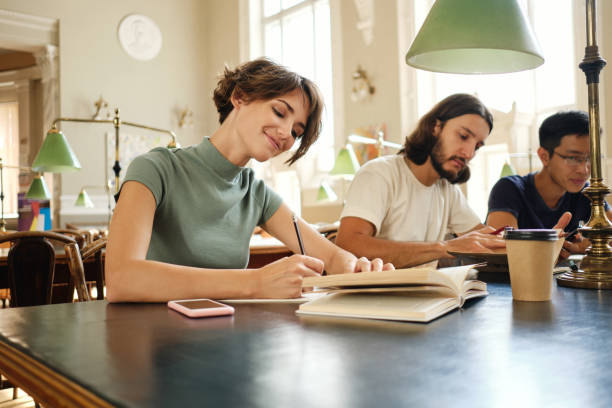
(140, 37)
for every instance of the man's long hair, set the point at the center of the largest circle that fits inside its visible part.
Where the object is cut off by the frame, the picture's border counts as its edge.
(420, 143)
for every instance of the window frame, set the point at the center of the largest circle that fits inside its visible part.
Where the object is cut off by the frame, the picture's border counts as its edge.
(251, 46)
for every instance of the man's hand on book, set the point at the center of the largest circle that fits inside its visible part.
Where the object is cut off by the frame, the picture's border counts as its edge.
(478, 241)
(576, 245)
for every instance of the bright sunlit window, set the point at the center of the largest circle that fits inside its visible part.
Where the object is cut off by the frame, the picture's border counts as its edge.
(9, 152)
(296, 33)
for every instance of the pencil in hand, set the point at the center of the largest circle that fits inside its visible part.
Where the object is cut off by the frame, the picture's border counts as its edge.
(299, 236)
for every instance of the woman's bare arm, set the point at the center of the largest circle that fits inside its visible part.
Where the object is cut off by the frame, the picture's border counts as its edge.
(130, 277)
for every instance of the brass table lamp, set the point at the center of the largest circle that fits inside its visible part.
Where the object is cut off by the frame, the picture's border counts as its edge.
(52, 155)
(380, 142)
(596, 268)
(83, 199)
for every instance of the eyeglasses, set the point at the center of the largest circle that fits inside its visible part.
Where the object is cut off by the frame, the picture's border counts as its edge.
(575, 161)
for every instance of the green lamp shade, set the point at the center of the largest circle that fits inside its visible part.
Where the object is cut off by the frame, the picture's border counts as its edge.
(507, 170)
(475, 37)
(83, 200)
(38, 190)
(55, 155)
(326, 193)
(346, 163)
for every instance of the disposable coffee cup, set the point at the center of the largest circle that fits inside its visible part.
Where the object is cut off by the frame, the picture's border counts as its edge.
(531, 257)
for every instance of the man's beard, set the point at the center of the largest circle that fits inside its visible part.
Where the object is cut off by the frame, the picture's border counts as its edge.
(438, 159)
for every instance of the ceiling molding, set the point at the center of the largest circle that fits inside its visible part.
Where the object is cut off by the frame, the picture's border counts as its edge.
(23, 32)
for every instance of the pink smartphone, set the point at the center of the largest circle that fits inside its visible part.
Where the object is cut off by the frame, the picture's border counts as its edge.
(200, 307)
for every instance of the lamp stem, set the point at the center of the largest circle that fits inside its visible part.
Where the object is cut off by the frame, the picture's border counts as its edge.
(117, 166)
(596, 267)
(591, 20)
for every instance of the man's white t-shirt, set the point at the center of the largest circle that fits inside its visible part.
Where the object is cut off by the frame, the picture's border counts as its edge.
(386, 193)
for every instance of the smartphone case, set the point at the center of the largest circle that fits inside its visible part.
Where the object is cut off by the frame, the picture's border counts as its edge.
(222, 310)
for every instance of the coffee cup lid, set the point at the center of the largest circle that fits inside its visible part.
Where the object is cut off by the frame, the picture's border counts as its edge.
(532, 234)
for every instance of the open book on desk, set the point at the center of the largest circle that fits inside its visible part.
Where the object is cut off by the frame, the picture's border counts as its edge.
(418, 294)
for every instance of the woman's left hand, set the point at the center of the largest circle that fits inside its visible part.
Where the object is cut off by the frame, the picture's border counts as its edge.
(363, 264)
(345, 262)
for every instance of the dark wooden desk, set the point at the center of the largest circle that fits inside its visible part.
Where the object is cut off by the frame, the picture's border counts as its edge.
(266, 250)
(495, 352)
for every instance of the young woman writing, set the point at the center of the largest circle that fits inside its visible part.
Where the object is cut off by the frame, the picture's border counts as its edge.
(184, 218)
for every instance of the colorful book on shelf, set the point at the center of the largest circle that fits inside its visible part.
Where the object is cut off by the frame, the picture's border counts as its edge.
(34, 215)
(418, 294)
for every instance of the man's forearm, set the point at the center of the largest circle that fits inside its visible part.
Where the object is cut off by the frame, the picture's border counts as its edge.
(399, 253)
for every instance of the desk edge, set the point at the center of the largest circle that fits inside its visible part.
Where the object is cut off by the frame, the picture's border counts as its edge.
(43, 384)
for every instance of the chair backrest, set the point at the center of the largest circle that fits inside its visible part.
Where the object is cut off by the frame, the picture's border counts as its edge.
(80, 236)
(31, 266)
(92, 234)
(77, 270)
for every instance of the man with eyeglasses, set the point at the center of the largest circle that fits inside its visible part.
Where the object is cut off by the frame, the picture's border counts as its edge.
(551, 197)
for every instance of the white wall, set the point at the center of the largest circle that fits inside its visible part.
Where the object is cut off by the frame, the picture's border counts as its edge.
(92, 63)
(380, 61)
(223, 47)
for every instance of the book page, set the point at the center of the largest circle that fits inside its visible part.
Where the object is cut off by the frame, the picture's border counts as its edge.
(420, 306)
(306, 297)
(439, 291)
(449, 277)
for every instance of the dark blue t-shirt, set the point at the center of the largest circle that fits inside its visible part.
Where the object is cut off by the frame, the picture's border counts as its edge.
(519, 196)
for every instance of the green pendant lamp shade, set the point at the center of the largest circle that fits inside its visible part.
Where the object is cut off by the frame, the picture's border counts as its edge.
(55, 155)
(346, 163)
(475, 37)
(38, 189)
(507, 170)
(83, 200)
(326, 193)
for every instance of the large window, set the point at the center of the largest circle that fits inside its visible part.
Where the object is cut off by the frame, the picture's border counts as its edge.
(297, 34)
(9, 153)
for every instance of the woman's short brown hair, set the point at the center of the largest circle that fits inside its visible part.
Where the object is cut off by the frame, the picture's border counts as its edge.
(264, 79)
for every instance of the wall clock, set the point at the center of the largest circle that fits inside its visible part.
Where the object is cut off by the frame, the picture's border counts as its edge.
(140, 37)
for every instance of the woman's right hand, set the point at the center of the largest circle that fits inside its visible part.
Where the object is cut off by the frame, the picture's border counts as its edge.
(283, 278)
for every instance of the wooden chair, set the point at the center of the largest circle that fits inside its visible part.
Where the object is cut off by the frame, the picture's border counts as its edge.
(31, 267)
(88, 236)
(80, 236)
(75, 265)
(92, 233)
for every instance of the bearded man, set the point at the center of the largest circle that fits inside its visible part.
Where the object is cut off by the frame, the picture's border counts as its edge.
(400, 208)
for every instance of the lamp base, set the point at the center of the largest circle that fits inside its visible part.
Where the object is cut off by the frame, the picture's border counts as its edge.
(595, 273)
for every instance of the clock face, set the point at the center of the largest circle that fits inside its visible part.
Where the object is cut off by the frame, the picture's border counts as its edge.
(140, 37)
